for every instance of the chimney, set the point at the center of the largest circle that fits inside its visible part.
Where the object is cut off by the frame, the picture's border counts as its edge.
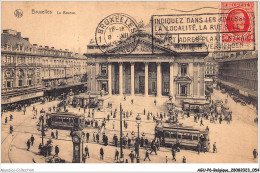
(52, 48)
(19, 34)
(46, 47)
(5, 31)
(35, 45)
(27, 39)
(40, 46)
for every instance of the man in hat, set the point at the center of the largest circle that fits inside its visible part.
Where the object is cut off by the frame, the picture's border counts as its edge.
(86, 151)
(214, 148)
(101, 153)
(32, 139)
(147, 155)
(57, 150)
(116, 154)
(255, 154)
(28, 144)
(132, 156)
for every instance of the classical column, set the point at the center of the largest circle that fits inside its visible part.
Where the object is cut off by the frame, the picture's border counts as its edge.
(159, 82)
(146, 78)
(132, 78)
(109, 79)
(121, 78)
(175, 74)
(97, 73)
(191, 76)
(202, 82)
(171, 79)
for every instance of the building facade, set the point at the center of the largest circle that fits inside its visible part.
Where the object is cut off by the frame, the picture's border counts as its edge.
(28, 71)
(210, 68)
(148, 70)
(240, 73)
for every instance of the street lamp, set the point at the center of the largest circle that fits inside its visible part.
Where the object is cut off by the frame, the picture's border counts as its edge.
(121, 135)
(138, 121)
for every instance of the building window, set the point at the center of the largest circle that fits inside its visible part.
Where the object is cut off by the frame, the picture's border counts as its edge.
(20, 83)
(30, 82)
(8, 84)
(103, 69)
(183, 90)
(183, 69)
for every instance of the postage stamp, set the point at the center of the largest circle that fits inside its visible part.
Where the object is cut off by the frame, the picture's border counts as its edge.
(115, 29)
(238, 22)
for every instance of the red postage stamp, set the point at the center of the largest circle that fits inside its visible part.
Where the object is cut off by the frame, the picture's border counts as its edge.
(237, 22)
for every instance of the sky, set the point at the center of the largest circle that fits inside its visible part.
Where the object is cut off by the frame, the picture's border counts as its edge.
(74, 31)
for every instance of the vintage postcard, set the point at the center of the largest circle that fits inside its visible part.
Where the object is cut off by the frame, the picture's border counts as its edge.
(130, 82)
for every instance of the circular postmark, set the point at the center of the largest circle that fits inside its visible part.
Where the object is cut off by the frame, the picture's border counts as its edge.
(238, 21)
(18, 13)
(116, 34)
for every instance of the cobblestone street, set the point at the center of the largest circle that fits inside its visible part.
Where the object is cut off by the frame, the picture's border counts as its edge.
(234, 145)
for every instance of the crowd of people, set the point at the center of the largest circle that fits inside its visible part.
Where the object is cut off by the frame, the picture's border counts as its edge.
(129, 141)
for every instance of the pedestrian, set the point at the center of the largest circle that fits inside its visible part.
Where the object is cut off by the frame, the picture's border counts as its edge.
(214, 148)
(57, 150)
(28, 144)
(166, 160)
(255, 154)
(129, 142)
(52, 135)
(11, 117)
(86, 151)
(132, 101)
(132, 156)
(155, 102)
(87, 136)
(97, 138)
(11, 129)
(198, 147)
(201, 122)
(113, 124)
(101, 153)
(6, 120)
(57, 134)
(126, 125)
(106, 140)
(184, 159)
(116, 154)
(94, 137)
(147, 155)
(220, 119)
(32, 139)
(207, 128)
(173, 154)
(84, 158)
(144, 111)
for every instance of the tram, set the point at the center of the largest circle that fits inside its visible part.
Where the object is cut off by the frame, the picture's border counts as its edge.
(65, 120)
(188, 137)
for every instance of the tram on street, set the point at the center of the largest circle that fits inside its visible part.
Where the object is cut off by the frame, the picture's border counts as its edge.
(188, 137)
(65, 120)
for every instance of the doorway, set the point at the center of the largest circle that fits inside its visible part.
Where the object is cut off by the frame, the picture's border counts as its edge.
(141, 84)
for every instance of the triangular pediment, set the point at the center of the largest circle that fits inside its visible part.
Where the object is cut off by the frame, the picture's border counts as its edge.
(141, 45)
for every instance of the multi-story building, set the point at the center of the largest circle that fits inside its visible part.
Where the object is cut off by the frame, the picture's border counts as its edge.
(239, 73)
(151, 69)
(27, 70)
(210, 67)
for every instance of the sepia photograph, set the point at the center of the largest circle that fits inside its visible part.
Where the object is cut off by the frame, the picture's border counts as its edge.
(130, 82)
